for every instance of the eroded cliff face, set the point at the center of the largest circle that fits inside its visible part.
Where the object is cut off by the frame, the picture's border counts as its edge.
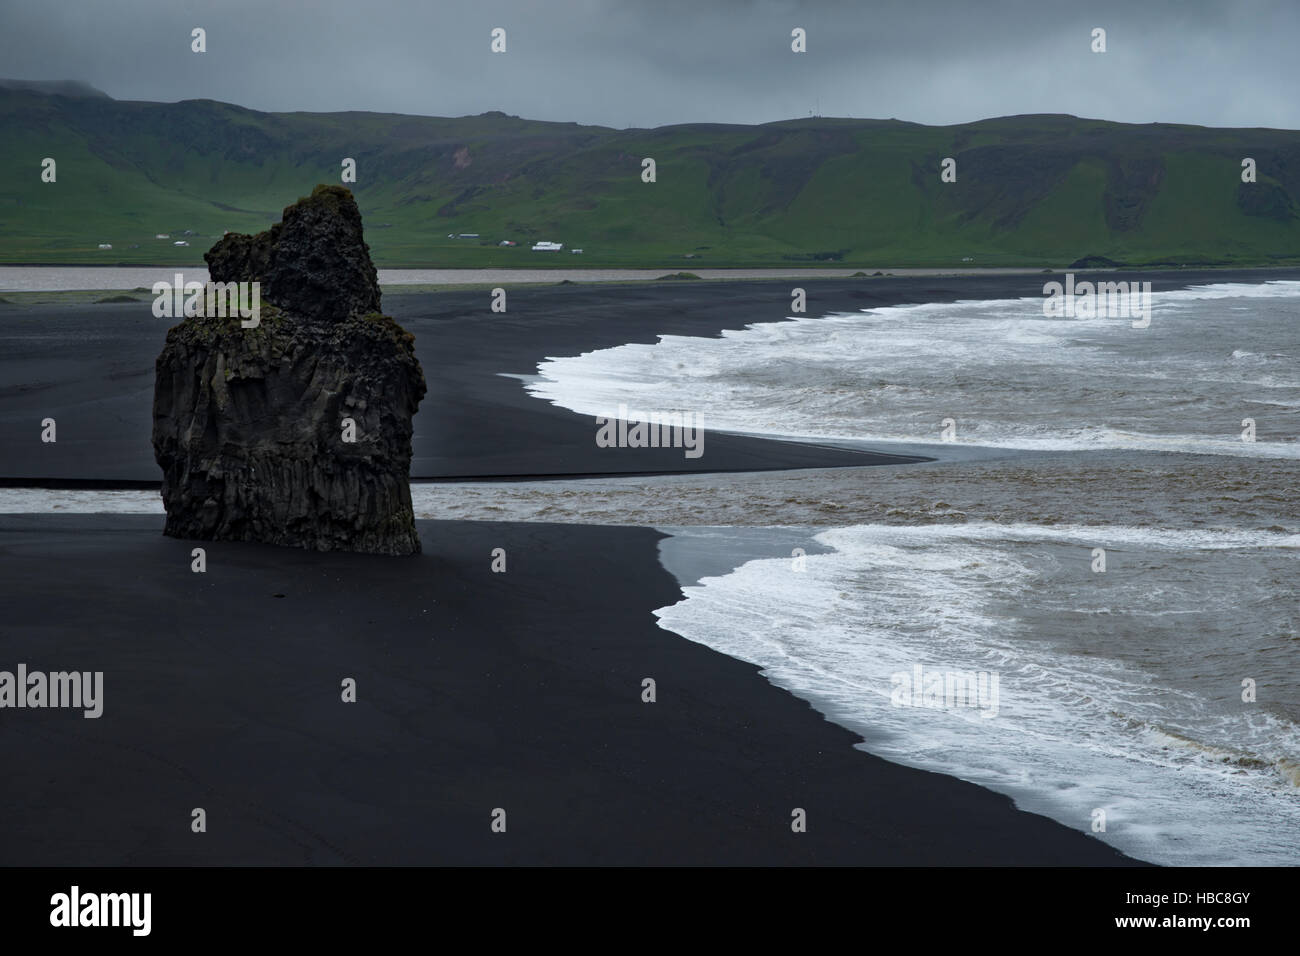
(298, 431)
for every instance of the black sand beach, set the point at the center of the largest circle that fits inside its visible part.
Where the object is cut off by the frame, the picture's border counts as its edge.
(475, 691)
(91, 367)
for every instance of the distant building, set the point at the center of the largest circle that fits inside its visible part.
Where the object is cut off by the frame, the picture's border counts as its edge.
(548, 246)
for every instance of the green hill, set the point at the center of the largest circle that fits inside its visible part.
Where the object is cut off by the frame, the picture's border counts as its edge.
(1031, 190)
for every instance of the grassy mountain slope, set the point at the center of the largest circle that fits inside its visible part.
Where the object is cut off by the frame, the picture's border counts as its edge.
(1030, 190)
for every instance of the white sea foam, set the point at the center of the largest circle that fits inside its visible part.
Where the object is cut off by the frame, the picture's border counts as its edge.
(1183, 778)
(1006, 375)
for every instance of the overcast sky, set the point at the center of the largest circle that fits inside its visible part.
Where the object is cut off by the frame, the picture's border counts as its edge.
(655, 62)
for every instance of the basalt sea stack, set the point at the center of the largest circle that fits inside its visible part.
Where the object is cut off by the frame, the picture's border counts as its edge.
(297, 431)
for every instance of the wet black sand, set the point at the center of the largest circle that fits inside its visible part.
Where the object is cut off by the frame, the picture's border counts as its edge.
(475, 691)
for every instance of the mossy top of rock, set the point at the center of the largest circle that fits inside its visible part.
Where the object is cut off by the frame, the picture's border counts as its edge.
(197, 328)
(337, 198)
(314, 263)
(389, 327)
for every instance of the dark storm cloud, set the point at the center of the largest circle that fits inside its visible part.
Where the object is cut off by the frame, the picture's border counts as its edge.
(627, 62)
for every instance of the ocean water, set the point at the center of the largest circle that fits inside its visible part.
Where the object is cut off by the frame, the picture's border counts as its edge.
(1004, 374)
(1117, 691)
(1159, 692)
